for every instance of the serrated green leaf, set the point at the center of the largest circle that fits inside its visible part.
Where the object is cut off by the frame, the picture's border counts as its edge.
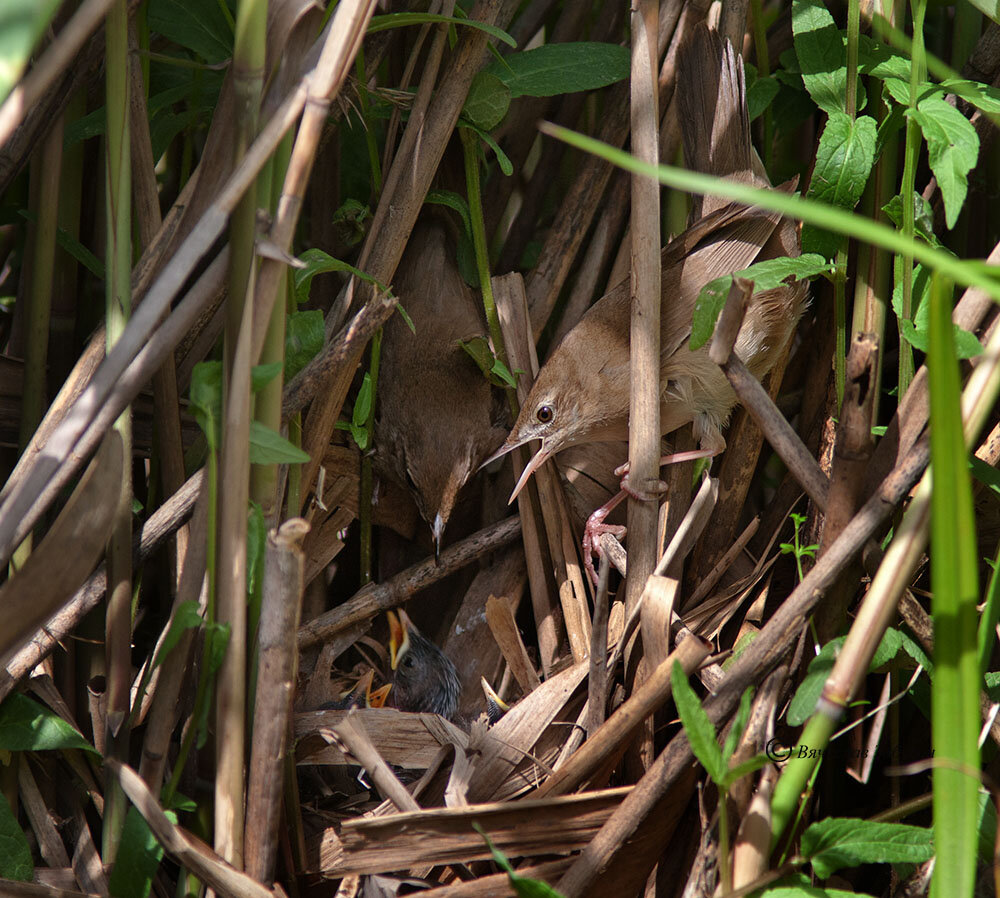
(206, 399)
(315, 262)
(403, 19)
(195, 25)
(843, 163)
(982, 96)
(305, 332)
(15, 853)
(915, 332)
(187, 616)
(487, 101)
(952, 150)
(765, 276)
(270, 448)
(26, 725)
(923, 217)
(562, 68)
(137, 860)
(262, 375)
(847, 842)
(697, 726)
(819, 47)
(804, 701)
(739, 724)
(22, 23)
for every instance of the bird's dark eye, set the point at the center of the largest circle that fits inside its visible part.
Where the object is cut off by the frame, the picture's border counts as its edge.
(544, 414)
(408, 661)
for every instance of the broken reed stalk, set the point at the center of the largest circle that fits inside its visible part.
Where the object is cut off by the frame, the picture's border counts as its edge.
(284, 570)
(644, 337)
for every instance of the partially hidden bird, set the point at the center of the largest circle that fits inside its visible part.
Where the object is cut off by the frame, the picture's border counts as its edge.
(424, 679)
(581, 394)
(438, 417)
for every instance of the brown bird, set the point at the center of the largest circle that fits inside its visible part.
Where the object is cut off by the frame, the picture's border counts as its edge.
(438, 416)
(423, 678)
(581, 394)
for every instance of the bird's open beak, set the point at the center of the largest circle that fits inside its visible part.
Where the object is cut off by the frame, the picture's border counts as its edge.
(539, 458)
(399, 636)
(376, 697)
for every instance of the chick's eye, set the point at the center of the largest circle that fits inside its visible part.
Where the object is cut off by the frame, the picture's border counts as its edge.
(408, 661)
(544, 414)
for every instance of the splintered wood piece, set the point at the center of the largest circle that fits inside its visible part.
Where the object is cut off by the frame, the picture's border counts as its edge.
(508, 744)
(401, 738)
(500, 617)
(445, 835)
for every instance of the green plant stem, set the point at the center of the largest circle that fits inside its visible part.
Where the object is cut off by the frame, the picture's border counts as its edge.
(918, 71)
(470, 150)
(367, 124)
(725, 861)
(802, 762)
(840, 324)
(822, 215)
(367, 475)
(118, 303)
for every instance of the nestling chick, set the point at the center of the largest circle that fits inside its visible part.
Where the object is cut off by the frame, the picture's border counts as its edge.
(360, 696)
(423, 677)
(438, 417)
(581, 394)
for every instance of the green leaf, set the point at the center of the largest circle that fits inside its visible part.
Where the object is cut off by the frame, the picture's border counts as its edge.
(305, 332)
(805, 891)
(187, 616)
(739, 724)
(986, 474)
(363, 404)
(506, 166)
(454, 201)
(72, 246)
(22, 23)
(138, 858)
(988, 7)
(487, 102)
(562, 68)
(318, 262)
(804, 701)
(751, 765)
(699, 729)
(915, 332)
(262, 375)
(952, 150)
(847, 842)
(954, 583)
(26, 725)
(523, 886)
(923, 219)
(407, 320)
(765, 276)
(843, 163)
(195, 25)
(270, 448)
(15, 853)
(819, 46)
(206, 399)
(502, 372)
(402, 19)
(982, 96)
(256, 541)
(760, 95)
(350, 220)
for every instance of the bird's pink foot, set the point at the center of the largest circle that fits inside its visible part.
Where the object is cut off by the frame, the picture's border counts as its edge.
(592, 534)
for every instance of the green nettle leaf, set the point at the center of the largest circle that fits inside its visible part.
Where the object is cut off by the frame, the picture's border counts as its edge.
(206, 399)
(262, 375)
(196, 25)
(305, 332)
(765, 276)
(138, 858)
(15, 853)
(923, 218)
(270, 448)
(523, 886)
(819, 46)
(760, 95)
(487, 102)
(562, 68)
(22, 23)
(916, 332)
(847, 842)
(187, 616)
(26, 725)
(697, 726)
(952, 150)
(808, 693)
(982, 96)
(318, 262)
(350, 220)
(843, 163)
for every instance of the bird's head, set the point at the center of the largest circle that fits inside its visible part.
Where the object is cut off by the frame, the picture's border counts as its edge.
(423, 678)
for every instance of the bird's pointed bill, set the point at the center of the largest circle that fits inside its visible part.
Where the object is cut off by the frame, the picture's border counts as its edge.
(509, 446)
(537, 460)
(437, 529)
(376, 698)
(399, 637)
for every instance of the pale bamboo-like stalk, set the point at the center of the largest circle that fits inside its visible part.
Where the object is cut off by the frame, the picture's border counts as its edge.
(284, 567)
(644, 339)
